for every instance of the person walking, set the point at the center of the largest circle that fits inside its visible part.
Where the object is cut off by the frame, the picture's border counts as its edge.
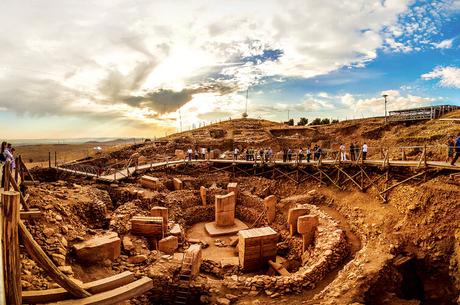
(457, 150)
(190, 152)
(450, 149)
(289, 153)
(270, 154)
(261, 155)
(247, 154)
(352, 152)
(308, 154)
(343, 152)
(209, 153)
(364, 151)
(300, 154)
(284, 154)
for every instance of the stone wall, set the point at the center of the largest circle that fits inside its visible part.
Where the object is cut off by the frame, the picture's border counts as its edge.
(329, 251)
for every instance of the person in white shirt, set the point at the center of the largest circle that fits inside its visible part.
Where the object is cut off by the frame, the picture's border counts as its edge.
(343, 153)
(203, 153)
(235, 155)
(190, 151)
(364, 151)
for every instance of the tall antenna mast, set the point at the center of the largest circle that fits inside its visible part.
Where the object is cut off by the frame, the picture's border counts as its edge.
(180, 118)
(245, 113)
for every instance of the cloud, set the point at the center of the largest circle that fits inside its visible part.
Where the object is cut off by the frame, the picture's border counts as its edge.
(449, 76)
(394, 102)
(141, 60)
(445, 44)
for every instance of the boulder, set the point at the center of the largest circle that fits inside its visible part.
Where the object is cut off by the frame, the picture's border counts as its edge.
(168, 244)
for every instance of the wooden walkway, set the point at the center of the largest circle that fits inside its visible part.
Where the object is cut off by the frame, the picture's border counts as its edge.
(127, 172)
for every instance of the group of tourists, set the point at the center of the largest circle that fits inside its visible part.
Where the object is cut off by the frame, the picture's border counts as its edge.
(7, 153)
(354, 151)
(198, 154)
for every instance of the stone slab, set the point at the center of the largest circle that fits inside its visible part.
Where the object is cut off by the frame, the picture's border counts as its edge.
(229, 262)
(98, 248)
(150, 182)
(232, 187)
(218, 231)
(197, 254)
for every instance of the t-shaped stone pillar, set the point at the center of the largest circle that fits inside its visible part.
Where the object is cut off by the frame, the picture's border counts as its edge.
(161, 212)
(270, 204)
(232, 187)
(225, 210)
(293, 215)
(203, 195)
(306, 225)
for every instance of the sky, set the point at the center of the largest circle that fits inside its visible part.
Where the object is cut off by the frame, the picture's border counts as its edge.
(137, 68)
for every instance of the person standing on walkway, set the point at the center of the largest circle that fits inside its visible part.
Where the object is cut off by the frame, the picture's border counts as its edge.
(196, 154)
(352, 152)
(3, 160)
(289, 152)
(457, 150)
(343, 153)
(251, 154)
(284, 154)
(190, 151)
(235, 154)
(8, 152)
(203, 153)
(300, 154)
(308, 154)
(450, 149)
(364, 151)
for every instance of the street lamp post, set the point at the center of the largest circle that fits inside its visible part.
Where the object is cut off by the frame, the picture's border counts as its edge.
(385, 97)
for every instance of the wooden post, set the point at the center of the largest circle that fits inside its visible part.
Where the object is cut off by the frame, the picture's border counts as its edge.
(49, 159)
(18, 168)
(403, 158)
(424, 156)
(10, 245)
(16, 188)
(40, 257)
(7, 175)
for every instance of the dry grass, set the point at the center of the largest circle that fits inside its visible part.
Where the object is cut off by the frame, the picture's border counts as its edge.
(38, 155)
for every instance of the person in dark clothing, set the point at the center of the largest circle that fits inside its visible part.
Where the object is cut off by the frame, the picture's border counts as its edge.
(284, 154)
(289, 153)
(457, 150)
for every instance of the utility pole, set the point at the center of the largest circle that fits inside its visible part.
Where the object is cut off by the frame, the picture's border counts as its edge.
(180, 118)
(385, 97)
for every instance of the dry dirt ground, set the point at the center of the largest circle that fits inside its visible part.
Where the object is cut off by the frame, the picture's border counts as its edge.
(405, 251)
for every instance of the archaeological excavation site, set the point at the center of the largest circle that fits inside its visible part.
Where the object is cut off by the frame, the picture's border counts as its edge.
(144, 224)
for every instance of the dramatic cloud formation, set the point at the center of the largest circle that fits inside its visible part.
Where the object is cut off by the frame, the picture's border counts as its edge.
(141, 61)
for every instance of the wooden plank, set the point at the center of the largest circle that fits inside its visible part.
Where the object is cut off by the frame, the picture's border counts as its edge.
(40, 257)
(59, 294)
(16, 188)
(114, 296)
(10, 240)
(30, 214)
(2, 262)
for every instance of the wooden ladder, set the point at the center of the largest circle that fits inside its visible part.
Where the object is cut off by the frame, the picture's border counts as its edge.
(185, 277)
